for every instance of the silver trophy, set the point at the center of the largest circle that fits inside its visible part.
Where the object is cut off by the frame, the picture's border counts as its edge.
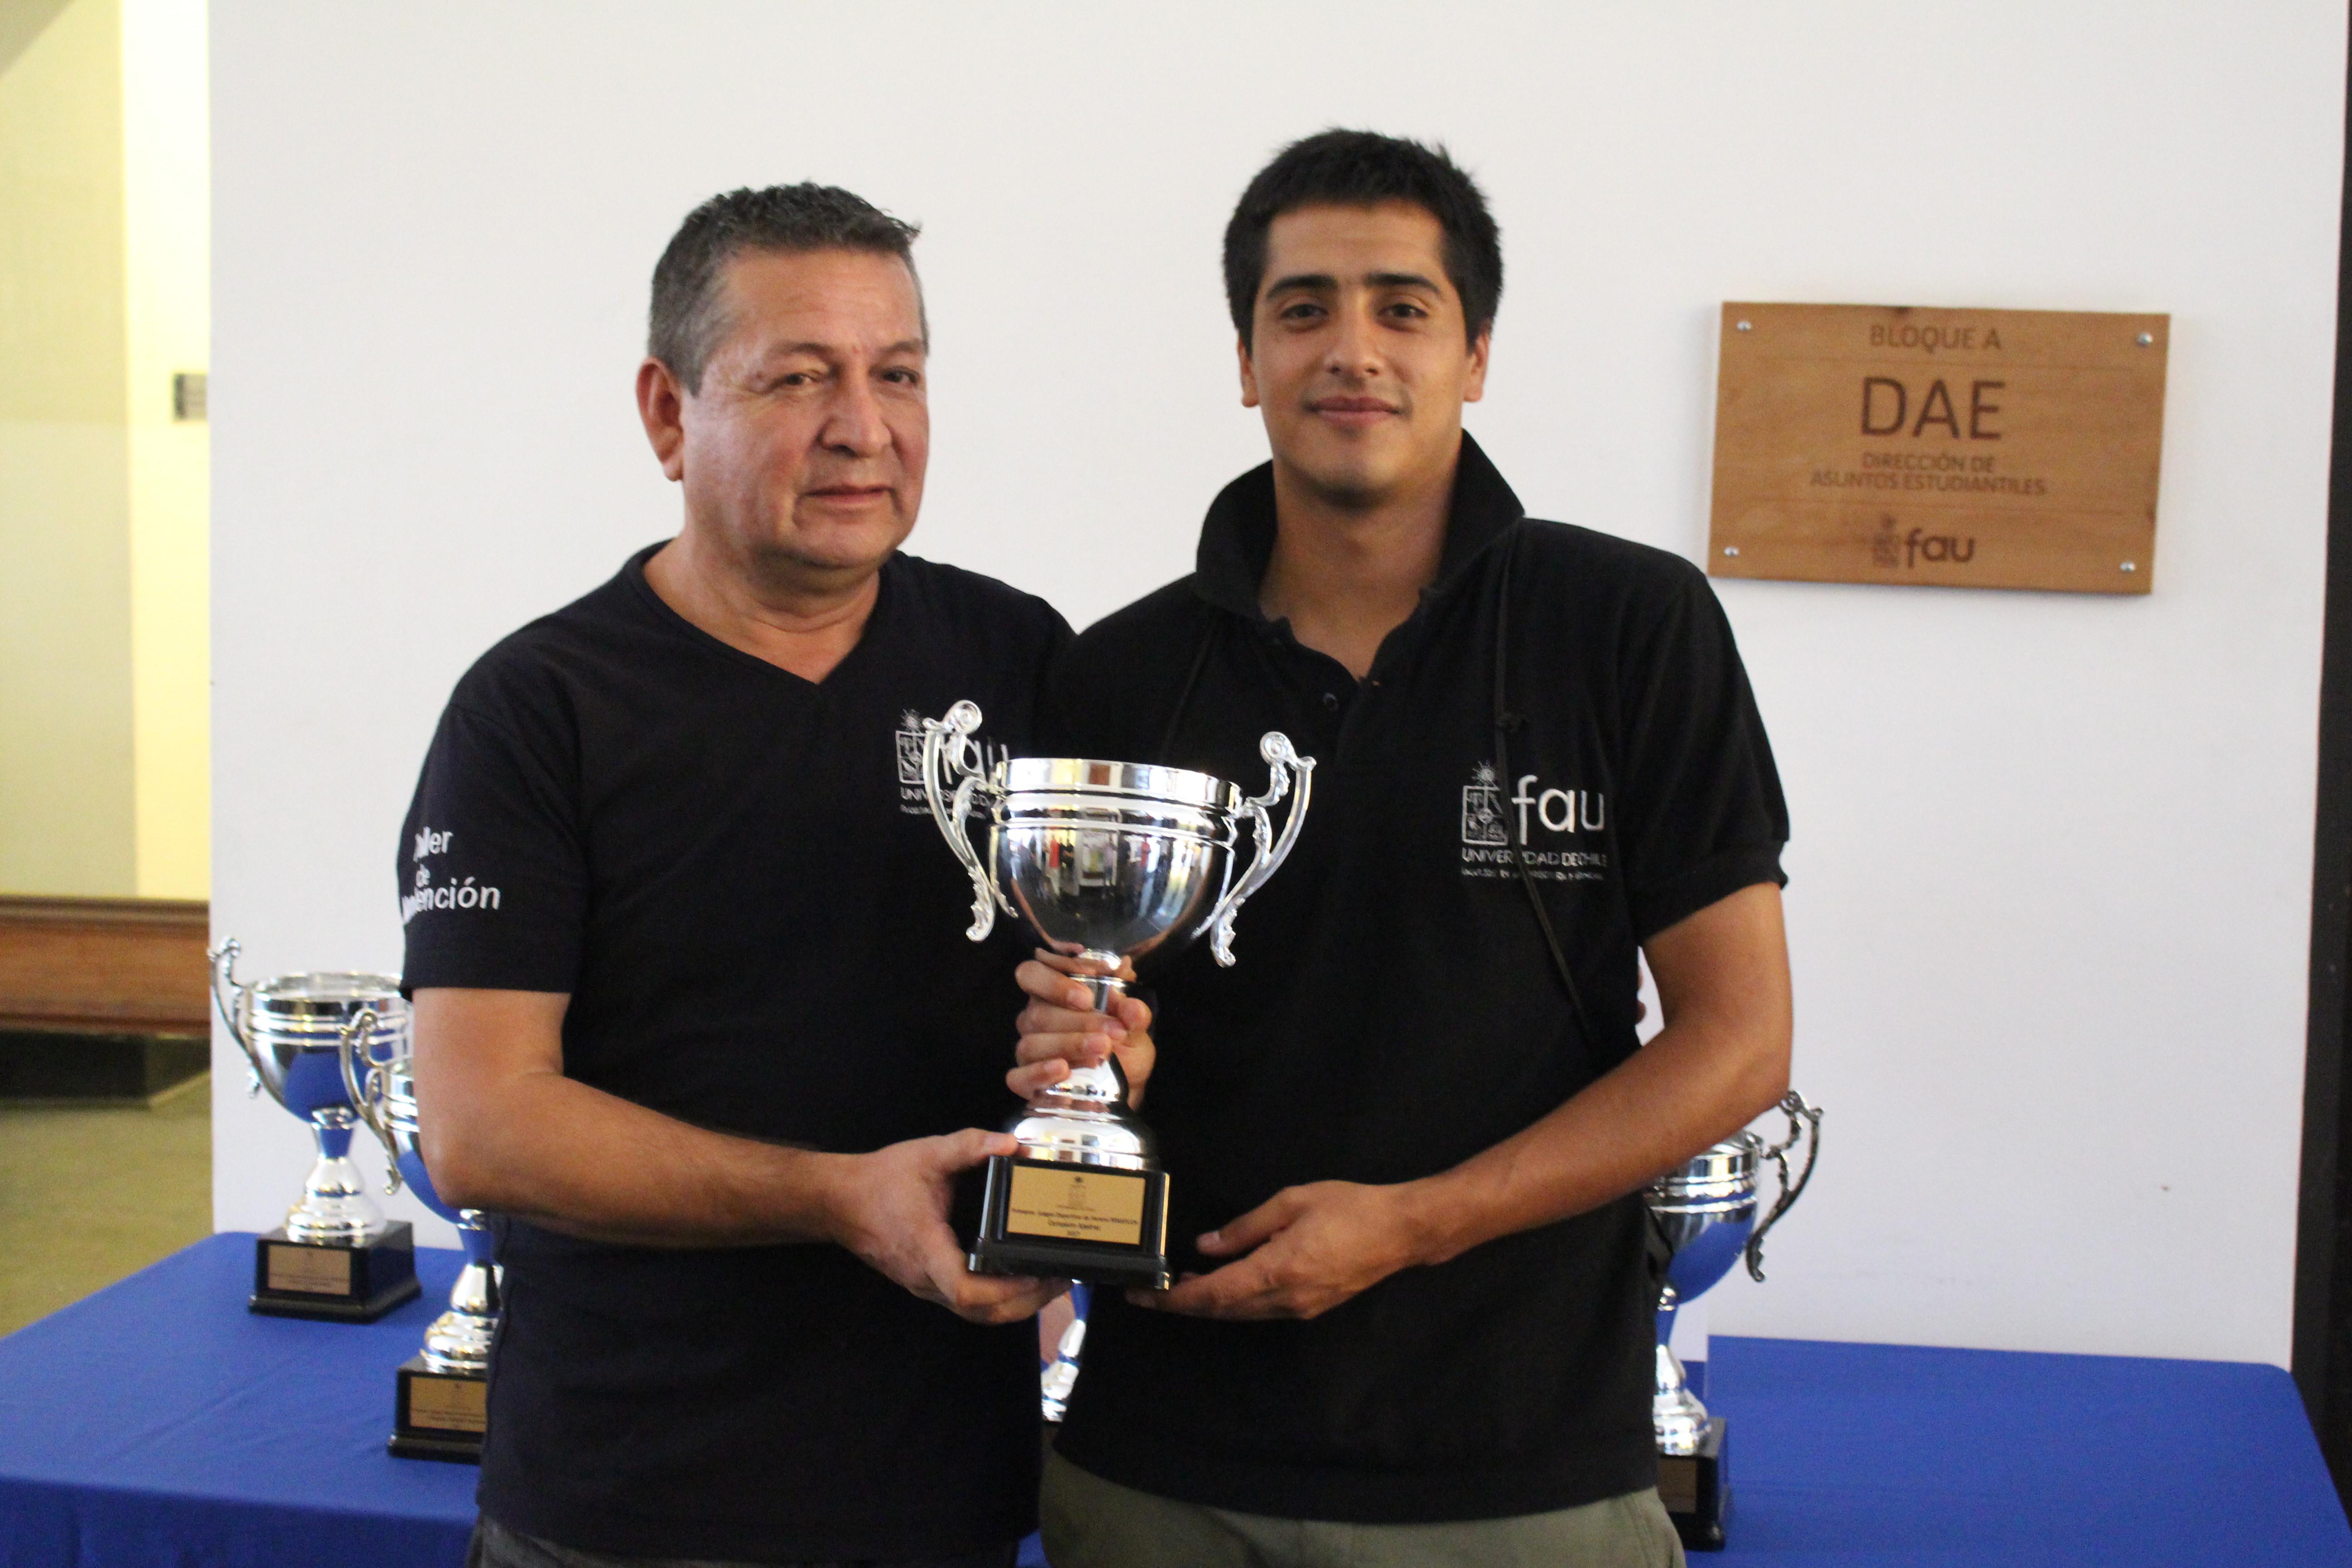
(336, 1256)
(1705, 1211)
(1107, 861)
(441, 1403)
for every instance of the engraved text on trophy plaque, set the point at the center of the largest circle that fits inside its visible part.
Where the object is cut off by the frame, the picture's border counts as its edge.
(1076, 1205)
(1953, 448)
(316, 1270)
(450, 1404)
(439, 1415)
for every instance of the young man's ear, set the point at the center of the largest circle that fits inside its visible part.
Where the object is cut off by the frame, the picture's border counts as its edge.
(1249, 373)
(1473, 386)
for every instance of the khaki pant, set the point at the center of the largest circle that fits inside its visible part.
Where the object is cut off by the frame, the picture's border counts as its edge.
(496, 1546)
(1094, 1523)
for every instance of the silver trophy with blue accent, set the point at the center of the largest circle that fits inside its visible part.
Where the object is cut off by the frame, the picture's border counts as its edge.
(1705, 1214)
(336, 1257)
(1106, 861)
(441, 1398)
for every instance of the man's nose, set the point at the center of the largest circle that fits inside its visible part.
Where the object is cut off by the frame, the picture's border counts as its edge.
(1355, 346)
(854, 424)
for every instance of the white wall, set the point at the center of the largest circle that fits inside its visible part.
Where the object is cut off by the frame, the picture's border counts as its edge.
(2051, 871)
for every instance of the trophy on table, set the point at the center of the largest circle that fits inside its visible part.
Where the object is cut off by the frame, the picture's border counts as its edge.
(1106, 861)
(1705, 1212)
(336, 1257)
(441, 1396)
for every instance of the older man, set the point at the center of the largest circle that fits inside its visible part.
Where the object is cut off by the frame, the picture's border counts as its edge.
(708, 1034)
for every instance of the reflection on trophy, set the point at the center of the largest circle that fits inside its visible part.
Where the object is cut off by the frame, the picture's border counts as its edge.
(1705, 1211)
(336, 1257)
(1061, 1375)
(1106, 861)
(441, 1402)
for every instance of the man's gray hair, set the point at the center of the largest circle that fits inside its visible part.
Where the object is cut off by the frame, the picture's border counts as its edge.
(687, 318)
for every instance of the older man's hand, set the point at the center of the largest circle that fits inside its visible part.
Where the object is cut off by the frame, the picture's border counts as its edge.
(890, 1208)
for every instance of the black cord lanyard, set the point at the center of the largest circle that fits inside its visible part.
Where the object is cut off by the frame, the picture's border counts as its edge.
(1506, 722)
(1184, 697)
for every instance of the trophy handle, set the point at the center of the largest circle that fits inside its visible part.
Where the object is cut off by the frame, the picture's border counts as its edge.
(237, 1013)
(950, 757)
(1284, 764)
(367, 1097)
(1803, 1119)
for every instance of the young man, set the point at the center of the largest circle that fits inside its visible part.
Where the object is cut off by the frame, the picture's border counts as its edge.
(1409, 1128)
(707, 902)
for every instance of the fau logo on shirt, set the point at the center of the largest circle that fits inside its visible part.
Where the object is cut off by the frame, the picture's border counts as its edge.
(1488, 818)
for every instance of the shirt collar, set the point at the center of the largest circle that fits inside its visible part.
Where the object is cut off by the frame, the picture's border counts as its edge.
(1237, 537)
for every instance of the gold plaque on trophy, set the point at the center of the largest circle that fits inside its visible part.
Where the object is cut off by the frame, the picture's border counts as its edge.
(313, 1270)
(1077, 1204)
(1954, 448)
(448, 1403)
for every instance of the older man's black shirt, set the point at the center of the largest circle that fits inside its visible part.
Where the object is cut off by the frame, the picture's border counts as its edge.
(732, 874)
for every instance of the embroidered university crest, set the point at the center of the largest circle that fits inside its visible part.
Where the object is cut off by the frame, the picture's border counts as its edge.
(911, 748)
(1482, 808)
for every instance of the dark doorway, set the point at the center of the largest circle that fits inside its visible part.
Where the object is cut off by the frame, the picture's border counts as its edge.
(2322, 1265)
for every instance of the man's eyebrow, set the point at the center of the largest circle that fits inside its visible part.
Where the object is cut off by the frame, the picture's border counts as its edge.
(1322, 280)
(830, 351)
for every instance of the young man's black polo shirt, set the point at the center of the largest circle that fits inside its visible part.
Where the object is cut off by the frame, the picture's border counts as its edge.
(733, 874)
(1394, 1010)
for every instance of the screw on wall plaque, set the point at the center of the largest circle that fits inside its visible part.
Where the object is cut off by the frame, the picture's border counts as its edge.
(2131, 566)
(1741, 326)
(2148, 339)
(1731, 550)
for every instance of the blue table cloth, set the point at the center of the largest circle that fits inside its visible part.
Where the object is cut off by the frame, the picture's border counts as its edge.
(159, 1423)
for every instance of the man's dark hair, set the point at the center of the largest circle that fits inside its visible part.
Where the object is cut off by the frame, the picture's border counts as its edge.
(1359, 168)
(687, 317)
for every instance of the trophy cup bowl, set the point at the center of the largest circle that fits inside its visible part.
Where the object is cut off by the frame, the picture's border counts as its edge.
(303, 1036)
(1110, 862)
(1704, 1211)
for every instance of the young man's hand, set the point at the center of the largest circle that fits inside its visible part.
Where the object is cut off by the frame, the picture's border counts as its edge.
(890, 1208)
(1060, 1030)
(1299, 1254)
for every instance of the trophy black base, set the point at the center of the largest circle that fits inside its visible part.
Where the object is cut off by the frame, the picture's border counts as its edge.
(439, 1415)
(1095, 1222)
(1696, 1491)
(337, 1282)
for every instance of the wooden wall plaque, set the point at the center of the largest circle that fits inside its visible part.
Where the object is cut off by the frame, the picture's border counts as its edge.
(1963, 448)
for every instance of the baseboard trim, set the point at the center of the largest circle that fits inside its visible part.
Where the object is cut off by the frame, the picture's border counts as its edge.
(104, 966)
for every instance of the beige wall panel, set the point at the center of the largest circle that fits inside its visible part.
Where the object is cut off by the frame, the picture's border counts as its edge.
(64, 662)
(66, 782)
(61, 286)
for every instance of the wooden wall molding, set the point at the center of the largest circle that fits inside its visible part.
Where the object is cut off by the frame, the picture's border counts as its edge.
(105, 965)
